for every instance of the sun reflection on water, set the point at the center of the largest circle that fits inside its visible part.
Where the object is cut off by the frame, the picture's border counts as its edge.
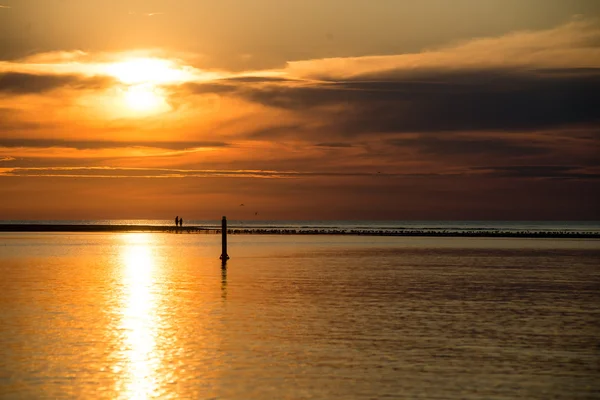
(140, 320)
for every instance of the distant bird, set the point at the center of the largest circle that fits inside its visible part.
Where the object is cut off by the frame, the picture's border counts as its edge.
(256, 213)
(242, 205)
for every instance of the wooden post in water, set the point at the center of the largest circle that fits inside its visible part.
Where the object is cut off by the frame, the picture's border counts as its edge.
(224, 257)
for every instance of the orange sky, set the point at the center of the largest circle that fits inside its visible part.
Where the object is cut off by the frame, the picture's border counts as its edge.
(303, 110)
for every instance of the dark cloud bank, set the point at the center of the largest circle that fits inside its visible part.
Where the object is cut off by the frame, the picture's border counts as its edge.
(21, 83)
(434, 101)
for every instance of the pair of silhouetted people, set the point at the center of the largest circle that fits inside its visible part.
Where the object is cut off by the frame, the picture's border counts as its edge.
(178, 221)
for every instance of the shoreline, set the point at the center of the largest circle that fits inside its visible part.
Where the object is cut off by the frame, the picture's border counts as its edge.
(289, 231)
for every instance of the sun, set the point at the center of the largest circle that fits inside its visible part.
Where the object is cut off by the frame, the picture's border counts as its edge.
(145, 98)
(143, 82)
(147, 70)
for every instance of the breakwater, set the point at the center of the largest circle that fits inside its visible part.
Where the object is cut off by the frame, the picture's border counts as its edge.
(98, 228)
(292, 231)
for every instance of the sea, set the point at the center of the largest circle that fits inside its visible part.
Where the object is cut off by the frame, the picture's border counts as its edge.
(132, 315)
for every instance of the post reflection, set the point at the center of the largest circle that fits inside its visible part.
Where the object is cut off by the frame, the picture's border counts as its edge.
(139, 324)
(224, 282)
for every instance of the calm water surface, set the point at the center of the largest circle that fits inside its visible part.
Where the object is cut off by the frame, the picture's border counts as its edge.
(294, 317)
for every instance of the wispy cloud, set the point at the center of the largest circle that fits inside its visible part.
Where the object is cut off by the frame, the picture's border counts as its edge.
(542, 171)
(20, 83)
(520, 171)
(464, 146)
(123, 172)
(107, 144)
(572, 45)
(521, 81)
(5, 7)
(129, 67)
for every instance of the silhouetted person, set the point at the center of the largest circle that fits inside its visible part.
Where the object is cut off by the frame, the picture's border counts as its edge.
(181, 221)
(177, 220)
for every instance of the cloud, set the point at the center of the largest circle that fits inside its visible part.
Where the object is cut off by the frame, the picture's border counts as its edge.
(523, 172)
(541, 171)
(520, 81)
(256, 79)
(21, 83)
(334, 144)
(572, 45)
(123, 172)
(453, 145)
(13, 120)
(439, 101)
(127, 67)
(107, 144)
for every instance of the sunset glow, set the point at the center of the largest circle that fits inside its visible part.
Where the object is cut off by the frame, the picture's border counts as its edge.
(148, 71)
(145, 98)
(297, 116)
(143, 80)
(313, 199)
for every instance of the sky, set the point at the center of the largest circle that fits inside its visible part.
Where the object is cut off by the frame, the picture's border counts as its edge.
(300, 110)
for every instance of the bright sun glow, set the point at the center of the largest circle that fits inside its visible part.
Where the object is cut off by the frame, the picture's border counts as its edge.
(148, 70)
(139, 323)
(143, 79)
(145, 98)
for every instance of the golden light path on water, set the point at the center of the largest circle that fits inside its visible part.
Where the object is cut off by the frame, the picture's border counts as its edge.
(140, 321)
(153, 316)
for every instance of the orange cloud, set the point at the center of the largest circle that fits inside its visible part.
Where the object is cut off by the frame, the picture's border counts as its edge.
(573, 45)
